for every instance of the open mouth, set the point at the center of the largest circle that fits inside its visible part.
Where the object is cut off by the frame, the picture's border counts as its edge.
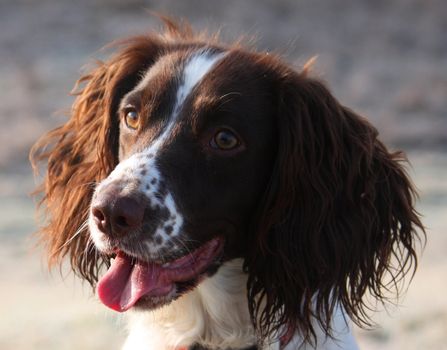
(130, 280)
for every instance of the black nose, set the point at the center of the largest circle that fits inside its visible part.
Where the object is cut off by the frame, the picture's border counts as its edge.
(117, 215)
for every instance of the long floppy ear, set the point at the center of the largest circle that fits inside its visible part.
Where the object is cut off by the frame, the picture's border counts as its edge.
(337, 220)
(84, 151)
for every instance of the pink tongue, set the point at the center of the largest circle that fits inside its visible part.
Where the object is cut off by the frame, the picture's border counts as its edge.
(125, 283)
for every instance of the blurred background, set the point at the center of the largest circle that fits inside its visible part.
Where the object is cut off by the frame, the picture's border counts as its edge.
(387, 59)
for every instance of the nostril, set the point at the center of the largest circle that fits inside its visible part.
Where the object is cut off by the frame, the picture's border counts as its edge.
(122, 221)
(100, 218)
(98, 214)
(127, 214)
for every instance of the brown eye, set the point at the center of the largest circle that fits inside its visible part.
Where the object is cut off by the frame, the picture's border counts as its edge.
(132, 119)
(224, 140)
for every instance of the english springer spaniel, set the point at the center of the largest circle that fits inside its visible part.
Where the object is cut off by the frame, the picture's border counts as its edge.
(234, 201)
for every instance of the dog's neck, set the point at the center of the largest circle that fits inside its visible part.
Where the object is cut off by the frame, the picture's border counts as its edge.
(214, 315)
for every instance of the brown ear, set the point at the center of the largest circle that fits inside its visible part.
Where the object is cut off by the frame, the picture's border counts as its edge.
(337, 220)
(84, 151)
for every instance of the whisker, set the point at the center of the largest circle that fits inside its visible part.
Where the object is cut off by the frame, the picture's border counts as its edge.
(81, 228)
(178, 240)
(91, 184)
(227, 98)
(89, 246)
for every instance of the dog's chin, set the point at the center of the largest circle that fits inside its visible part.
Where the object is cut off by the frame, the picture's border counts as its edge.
(147, 303)
(132, 283)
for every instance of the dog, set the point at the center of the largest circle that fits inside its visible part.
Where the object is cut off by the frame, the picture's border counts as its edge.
(234, 202)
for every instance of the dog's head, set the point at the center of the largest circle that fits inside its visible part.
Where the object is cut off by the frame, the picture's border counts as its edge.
(196, 146)
(181, 154)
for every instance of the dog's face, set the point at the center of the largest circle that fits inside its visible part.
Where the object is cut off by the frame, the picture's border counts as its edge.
(203, 153)
(196, 149)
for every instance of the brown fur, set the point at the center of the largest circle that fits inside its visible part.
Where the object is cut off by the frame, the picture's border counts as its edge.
(337, 219)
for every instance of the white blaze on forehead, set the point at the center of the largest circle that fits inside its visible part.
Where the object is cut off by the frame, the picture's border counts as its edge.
(140, 172)
(196, 68)
(194, 71)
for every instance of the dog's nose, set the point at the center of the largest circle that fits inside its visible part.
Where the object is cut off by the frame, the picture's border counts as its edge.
(117, 215)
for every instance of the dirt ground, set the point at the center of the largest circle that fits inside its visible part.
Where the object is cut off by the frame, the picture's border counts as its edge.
(385, 59)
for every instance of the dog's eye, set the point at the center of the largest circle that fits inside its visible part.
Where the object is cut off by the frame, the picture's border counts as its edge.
(224, 140)
(132, 119)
